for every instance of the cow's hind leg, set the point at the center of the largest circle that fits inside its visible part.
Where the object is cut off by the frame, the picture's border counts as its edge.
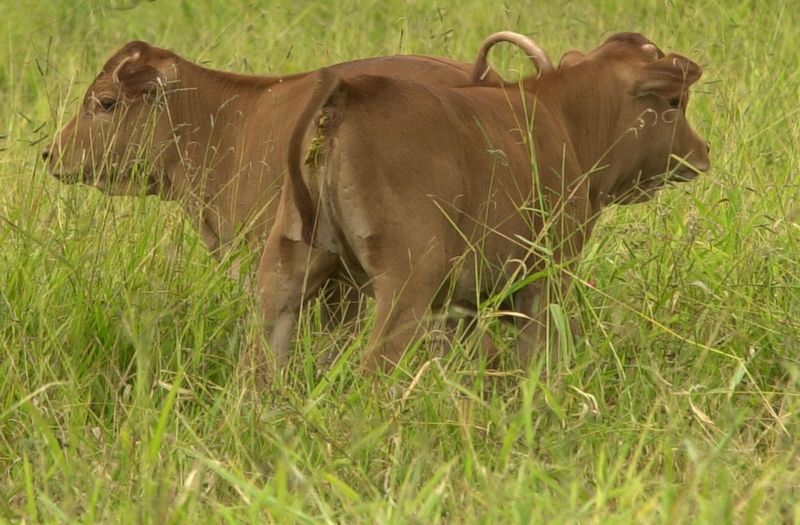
(290, 272)
(402, 308)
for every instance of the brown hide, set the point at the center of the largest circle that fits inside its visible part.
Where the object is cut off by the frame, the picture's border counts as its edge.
(426, 194)
(155, 123)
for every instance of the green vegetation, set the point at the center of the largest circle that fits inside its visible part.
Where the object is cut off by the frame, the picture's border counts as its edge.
(120, 335)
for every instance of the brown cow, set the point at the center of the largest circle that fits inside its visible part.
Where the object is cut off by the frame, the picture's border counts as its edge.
(426, 194)
(155, 123)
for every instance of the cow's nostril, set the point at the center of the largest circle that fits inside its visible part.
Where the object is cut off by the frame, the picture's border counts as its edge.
(45, 153)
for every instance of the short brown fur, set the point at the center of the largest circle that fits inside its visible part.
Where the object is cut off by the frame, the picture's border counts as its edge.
(216, 141)
(425, 194)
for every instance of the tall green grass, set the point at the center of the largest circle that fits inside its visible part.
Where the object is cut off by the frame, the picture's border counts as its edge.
(120, 335)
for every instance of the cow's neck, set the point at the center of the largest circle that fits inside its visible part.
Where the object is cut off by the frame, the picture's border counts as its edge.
(207, 113)
(590, 101)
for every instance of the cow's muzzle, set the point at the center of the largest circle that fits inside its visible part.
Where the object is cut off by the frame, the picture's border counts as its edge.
(688, 169)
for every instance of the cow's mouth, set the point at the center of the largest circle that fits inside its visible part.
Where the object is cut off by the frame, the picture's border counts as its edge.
(112, 181)
(69, 177)
(686, 171)
(88, 177)
(683, 174)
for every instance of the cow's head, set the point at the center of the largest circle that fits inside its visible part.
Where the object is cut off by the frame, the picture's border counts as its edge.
(111, 142)
(648, 92)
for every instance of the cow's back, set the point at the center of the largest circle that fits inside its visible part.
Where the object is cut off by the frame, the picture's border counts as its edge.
(412, 164)
(263, 143)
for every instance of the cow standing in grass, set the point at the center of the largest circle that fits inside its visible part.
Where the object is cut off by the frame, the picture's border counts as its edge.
(155, 123)
(428, 195)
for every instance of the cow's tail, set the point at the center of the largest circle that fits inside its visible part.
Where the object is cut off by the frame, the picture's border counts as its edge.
(534, 51)
(327, 87)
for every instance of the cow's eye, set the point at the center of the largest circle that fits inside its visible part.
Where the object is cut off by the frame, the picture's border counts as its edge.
(108, 104)
(675, 102)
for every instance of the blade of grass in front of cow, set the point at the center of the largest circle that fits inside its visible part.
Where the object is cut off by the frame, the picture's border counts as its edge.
(120, 334)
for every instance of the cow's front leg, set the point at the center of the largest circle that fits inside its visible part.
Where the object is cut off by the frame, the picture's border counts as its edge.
(532, 303)
(572, 225)
(538, 328)
(465, 315)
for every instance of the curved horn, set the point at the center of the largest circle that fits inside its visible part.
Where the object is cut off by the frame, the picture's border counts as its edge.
(531, 48)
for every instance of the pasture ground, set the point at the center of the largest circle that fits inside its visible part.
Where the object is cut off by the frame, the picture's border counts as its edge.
(119, 335)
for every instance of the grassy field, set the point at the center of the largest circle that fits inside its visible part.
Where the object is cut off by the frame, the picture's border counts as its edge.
(119, 334)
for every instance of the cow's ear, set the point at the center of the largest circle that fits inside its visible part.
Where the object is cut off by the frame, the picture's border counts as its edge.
(570, 58)
(666, 77)
(142, 69)
(136, 78)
